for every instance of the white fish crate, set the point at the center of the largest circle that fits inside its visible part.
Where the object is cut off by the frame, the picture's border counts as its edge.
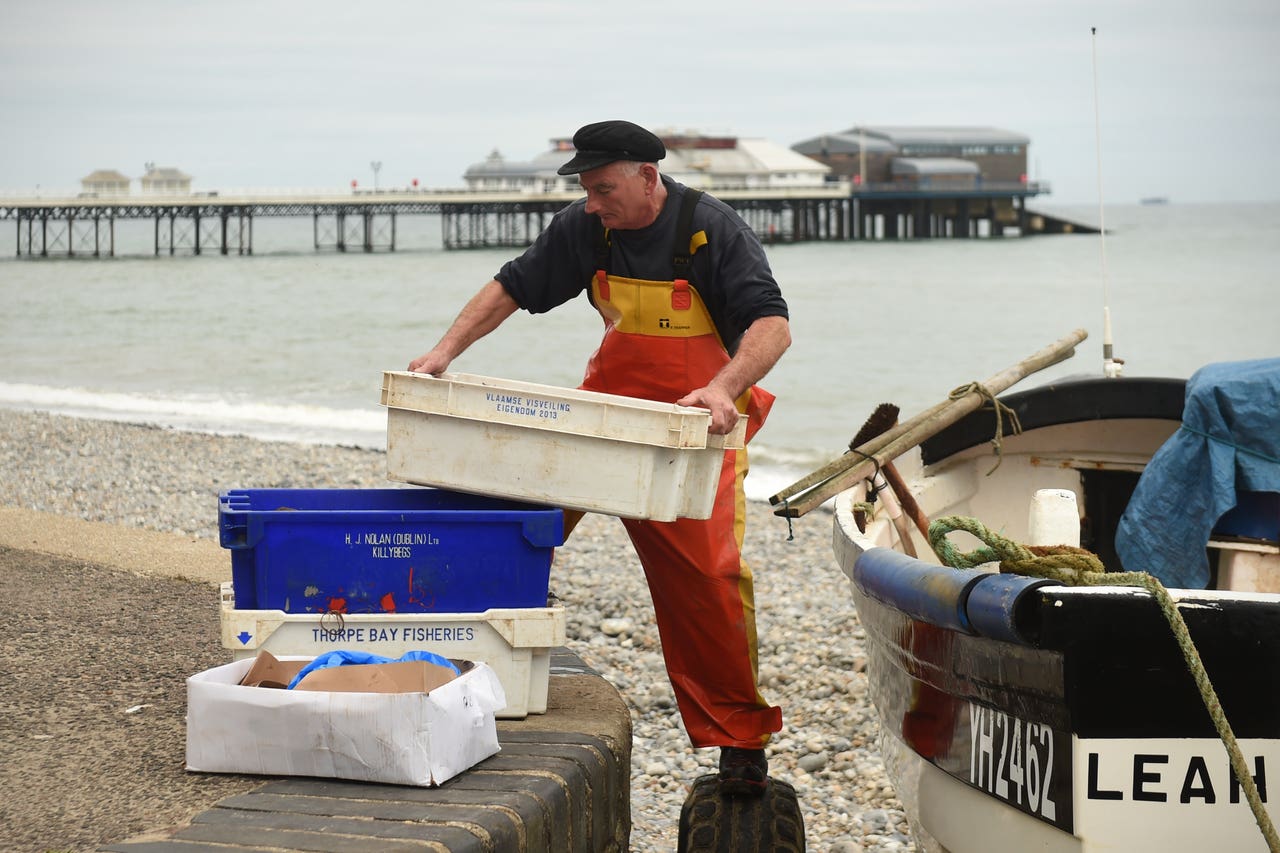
(516, 643)
(575, 449)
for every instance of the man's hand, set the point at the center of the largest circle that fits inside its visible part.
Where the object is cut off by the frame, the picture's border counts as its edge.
(761, 346)
(724, 414)
(433, 362)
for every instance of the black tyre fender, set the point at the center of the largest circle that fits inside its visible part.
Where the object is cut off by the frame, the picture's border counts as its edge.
(712, 822)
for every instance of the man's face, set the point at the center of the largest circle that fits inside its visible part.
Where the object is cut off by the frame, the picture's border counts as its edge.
(617, 194)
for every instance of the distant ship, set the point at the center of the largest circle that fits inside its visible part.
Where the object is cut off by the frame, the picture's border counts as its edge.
(1155, 199)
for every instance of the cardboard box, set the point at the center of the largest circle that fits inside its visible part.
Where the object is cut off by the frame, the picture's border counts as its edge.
(352, 723)
(269, 671)
(410, 676)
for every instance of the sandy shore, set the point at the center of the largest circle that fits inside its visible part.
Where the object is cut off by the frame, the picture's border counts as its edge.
(97, 656)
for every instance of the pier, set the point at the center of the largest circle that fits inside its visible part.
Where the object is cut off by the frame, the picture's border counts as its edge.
(365, 220)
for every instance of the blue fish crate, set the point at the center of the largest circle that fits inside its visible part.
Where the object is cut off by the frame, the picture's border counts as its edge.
(404, 550)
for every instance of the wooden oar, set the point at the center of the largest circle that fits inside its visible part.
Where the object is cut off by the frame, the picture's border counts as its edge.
(815, 489)
(908, 500)
(842, 463)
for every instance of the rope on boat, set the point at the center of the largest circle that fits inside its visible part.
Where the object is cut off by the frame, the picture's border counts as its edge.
(1238, 448)
(1078, 567)
(1001, 410)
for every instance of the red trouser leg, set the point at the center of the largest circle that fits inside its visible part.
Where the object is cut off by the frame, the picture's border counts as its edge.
(703, 599)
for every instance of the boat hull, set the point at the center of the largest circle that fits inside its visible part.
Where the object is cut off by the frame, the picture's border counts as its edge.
(1019, 715)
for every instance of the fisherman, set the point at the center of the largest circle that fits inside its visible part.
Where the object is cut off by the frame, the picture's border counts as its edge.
(693, 316)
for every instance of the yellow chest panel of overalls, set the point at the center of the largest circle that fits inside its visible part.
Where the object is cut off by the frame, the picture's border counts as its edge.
(667, 309)
(657, 308)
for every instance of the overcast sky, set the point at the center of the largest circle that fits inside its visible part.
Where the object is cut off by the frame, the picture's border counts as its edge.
(253, 93)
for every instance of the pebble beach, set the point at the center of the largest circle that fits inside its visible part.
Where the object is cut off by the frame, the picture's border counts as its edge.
(812, 661)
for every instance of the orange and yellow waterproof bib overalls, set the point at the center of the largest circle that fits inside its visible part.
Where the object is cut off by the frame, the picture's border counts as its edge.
(659, 344)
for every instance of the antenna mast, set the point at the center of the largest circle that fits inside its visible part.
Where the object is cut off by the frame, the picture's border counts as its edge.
(1110, 365)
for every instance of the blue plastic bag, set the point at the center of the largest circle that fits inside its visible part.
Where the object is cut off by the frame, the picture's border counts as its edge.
(344, 657)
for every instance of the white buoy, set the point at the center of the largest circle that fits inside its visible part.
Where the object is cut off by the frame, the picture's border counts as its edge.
(1054, 518)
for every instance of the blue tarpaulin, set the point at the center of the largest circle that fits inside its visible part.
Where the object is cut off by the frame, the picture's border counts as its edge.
(1228, 444)
(344, 657)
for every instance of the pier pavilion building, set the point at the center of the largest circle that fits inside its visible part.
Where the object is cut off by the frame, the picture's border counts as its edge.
(105, 182)
(934, 181)
(164, 180)
(707, 162)
(882, 155)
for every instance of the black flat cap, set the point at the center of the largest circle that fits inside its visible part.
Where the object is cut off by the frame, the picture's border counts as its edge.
(605, 142)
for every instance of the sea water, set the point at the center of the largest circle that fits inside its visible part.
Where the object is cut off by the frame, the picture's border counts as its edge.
(290, 344)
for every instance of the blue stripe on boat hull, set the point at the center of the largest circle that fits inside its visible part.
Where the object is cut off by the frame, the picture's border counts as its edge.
(968, 600)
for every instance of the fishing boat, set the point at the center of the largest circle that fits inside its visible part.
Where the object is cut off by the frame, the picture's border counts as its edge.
(1027, 701)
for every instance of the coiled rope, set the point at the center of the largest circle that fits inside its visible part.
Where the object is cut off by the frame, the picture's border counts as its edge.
(1078, 567)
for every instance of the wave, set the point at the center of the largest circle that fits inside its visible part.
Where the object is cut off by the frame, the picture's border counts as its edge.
(302, 424)
(772, 469)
